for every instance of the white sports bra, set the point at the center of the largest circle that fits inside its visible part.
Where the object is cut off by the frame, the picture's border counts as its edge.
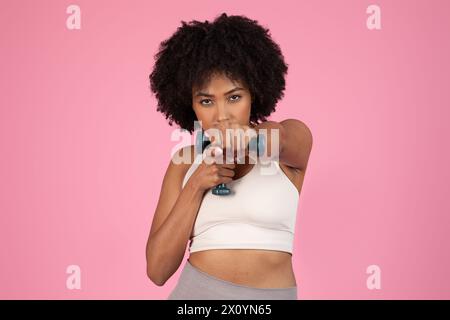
(260, 213)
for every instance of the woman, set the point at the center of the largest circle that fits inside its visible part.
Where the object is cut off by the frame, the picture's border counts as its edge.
(228, 74)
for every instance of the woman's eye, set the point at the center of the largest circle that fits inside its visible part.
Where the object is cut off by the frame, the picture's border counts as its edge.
(207, 102)
(201, 101)
(235, 95)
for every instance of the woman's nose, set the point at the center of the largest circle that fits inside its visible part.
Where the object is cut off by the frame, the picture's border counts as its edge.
(222, 112)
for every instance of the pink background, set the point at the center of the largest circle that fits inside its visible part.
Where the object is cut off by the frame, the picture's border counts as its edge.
(83, 150)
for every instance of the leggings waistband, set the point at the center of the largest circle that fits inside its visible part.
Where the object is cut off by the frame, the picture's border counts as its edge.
(197, 284)
(213, 278)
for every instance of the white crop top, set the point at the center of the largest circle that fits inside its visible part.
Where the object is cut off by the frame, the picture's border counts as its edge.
(260, 213)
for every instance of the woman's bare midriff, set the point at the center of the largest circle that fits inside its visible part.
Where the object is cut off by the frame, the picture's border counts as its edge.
(248, 267)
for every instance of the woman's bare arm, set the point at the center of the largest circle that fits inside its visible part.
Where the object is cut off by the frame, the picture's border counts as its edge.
(172, 223)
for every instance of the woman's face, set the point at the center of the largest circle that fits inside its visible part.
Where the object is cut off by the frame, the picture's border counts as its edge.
(221, 100)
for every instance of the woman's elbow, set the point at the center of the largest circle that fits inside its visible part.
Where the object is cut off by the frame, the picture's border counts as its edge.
(158, 280)
(152, 270)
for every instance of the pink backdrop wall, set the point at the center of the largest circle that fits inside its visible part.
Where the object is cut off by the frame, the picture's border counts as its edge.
(83, 150)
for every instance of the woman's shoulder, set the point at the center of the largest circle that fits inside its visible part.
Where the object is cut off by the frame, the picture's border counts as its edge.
(181, 161)
(178, 166)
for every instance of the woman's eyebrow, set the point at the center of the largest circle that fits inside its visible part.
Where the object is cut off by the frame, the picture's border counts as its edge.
(204, 94)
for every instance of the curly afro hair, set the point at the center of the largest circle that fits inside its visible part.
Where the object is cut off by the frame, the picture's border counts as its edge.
(235, 46)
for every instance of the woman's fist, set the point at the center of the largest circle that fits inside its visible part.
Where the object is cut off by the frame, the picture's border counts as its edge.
(211, 170)
(233, 137)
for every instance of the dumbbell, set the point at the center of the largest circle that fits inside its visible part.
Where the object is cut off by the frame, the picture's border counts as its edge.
(202, 141)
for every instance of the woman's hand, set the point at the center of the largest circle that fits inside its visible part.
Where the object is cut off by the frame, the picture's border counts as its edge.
(235, 138)
(212, 172)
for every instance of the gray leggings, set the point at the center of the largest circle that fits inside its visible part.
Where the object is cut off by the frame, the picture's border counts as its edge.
(195, 284)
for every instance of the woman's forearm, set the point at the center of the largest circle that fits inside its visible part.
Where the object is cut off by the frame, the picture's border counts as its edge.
(166, 247)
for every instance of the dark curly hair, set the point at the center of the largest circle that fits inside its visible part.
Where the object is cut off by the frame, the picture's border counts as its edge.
(233, 45)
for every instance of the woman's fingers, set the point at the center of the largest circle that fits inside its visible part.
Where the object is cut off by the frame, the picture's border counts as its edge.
(235, 140)
(224, 172)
